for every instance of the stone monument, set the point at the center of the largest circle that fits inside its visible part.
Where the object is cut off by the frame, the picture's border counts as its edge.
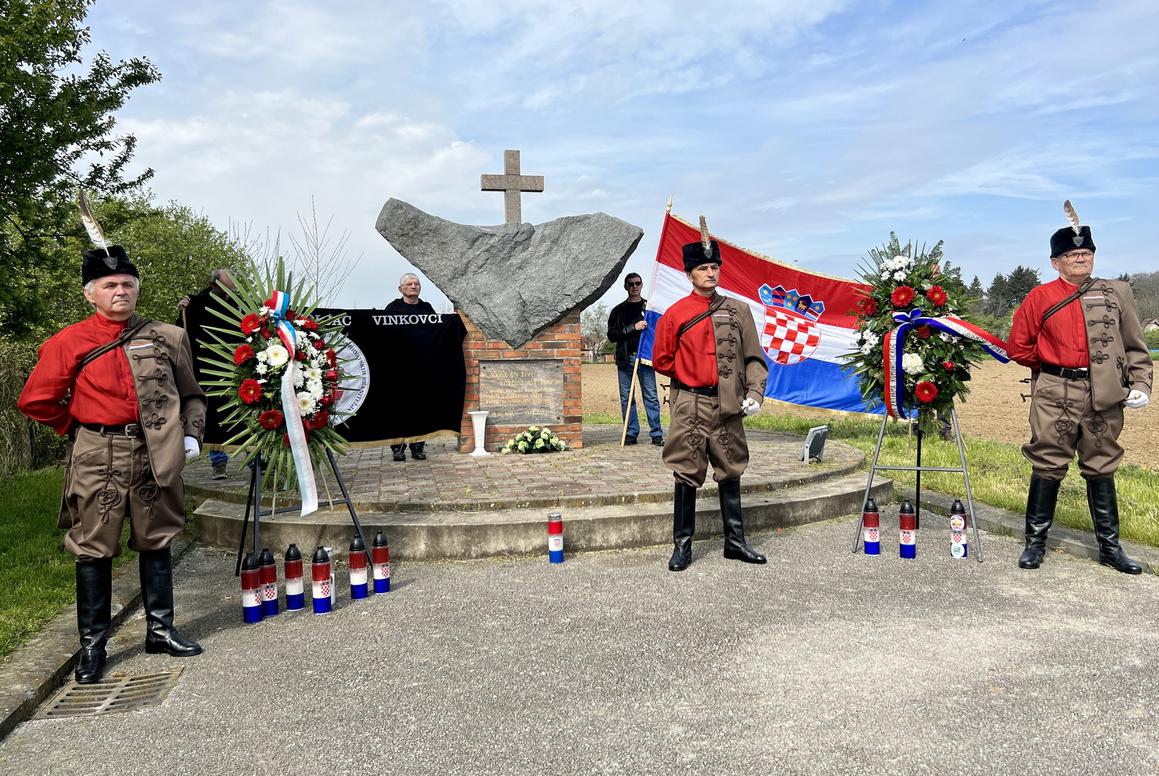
(519, 288)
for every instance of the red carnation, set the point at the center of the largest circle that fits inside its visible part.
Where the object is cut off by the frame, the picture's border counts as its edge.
(321, 418)
(902, 296)
(319, 344)
(948, 366)
(326, 400)
(299, 355)
(868, 306)
(271, 419)
(250, 391)
(926, 391)
(332, 357)
(250, 324)
(937, 295)
(291, 315)
(331, 374)
(309, 324)
(242, 354)
(265, 332)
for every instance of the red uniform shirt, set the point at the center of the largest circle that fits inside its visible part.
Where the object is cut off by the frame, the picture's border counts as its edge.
(1062, 341)
(104, 392)
(693, 360)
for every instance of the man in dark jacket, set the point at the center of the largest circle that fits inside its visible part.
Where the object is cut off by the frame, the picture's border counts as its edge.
(625, 324)
(409, 304)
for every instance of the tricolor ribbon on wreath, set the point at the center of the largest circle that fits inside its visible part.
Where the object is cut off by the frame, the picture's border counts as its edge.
(895, 376)
(279, 304)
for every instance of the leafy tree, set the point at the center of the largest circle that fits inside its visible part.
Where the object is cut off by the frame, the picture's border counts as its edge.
(1021, 281)
(977, 295)
(1146, 289)
(997, 296)
(56, 132)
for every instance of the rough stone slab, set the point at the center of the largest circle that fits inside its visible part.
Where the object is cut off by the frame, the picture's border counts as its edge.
(513, 280)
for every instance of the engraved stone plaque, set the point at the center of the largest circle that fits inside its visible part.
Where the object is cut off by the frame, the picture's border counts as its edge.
(526, 392)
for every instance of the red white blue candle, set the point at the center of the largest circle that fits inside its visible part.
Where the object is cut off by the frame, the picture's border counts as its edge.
(907, 529)
(555, 537)
(871, 527)
(251, 590)
(295, 588)
(358, 570)
(380, 563)
(268, 571)
(958, 544)
(323, 581)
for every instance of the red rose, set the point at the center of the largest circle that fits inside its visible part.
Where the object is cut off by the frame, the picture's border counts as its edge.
(250, 391)
(924, 332)
(321, 418)
(309, 324)
(299, 355)
(271, 419)
(926, 391)
(326, 400)
(319, 344)
(250, 324)
(868, 306)
(332, 357)
(902, 296)
(291, 315)
(331, 374)
(948, 366)
(937, 295)
(242, 354)
(337, 394)
(265, 332)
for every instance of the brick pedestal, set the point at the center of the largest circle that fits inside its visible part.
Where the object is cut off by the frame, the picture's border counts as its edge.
(562, 342)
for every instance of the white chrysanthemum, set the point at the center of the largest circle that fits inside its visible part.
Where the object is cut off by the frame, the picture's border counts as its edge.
(277, 355)
(899, 275)
(870, 338)
(866, 349)
(312, 373)
(262, 369)
(306, 403)
(262, 356)
(314, 388)
(265, 310)
(912, 364)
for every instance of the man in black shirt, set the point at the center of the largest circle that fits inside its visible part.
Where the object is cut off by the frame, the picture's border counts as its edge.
(409, 304)
(625, 324)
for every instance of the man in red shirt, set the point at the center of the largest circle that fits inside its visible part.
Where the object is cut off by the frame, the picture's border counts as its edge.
(123, 388)
(1083, 341)
(708, 345)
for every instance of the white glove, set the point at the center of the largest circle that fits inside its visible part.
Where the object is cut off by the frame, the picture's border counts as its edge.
(750, 407)
(1137, 400)
(192, 448)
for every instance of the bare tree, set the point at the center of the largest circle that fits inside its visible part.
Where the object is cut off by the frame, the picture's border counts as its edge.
(594, 329)
(321, 258)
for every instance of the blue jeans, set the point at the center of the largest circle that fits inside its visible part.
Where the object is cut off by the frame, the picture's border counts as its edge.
(217, 456)
(647, 377)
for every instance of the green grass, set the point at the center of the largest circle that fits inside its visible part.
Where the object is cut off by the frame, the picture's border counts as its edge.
(998, 473)
(37, 575)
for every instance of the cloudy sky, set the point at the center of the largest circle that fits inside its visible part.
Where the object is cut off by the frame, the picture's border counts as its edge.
(803, 130)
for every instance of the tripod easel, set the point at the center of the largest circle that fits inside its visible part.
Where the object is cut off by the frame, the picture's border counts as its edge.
(254, 502)
(874, 468)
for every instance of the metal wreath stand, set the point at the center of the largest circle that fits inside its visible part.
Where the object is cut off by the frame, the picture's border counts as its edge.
(918, 468)
(254, 502)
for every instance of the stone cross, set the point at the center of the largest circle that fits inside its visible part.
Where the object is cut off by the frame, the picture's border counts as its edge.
(511, 183)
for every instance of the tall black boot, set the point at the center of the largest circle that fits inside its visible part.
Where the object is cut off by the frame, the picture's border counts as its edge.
(157, 595)
(735, 546)
(1040, 503)
(418, 451)
(1105, 514)
(683, 526)
(94, 601)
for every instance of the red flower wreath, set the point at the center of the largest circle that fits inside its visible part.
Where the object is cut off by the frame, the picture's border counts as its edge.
(902, 296)
(926, 391)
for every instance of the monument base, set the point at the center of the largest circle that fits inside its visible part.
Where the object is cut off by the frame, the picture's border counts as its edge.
(537, 384)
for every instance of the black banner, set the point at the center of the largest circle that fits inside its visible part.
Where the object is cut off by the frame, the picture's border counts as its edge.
(406, 373)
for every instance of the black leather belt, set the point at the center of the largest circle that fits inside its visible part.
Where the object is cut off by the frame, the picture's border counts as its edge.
(126, 429)
(708, 390)
(1066, 372)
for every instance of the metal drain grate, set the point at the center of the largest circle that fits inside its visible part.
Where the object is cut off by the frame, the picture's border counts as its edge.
(115, 693)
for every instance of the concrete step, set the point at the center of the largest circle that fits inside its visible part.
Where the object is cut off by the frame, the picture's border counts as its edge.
(479, 534)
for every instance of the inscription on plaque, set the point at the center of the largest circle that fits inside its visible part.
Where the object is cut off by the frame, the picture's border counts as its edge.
(523, 392)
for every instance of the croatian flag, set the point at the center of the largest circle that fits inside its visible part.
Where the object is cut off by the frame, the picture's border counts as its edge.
(806, 322)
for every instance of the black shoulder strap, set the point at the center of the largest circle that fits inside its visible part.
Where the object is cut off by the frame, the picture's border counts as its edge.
(125, 336)
(716, 305)
(1078, 292)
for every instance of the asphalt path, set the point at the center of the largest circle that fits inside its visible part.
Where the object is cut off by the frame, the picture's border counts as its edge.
(821, 662)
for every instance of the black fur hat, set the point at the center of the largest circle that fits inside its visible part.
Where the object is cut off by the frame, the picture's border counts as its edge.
(98, 264)
(694, 255)
(1065, 240)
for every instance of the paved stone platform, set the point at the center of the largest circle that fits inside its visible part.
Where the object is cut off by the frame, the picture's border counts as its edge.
(600, 473)
(458, 506)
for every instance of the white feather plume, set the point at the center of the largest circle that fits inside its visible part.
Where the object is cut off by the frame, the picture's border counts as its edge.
(92, 226)
(1072, 217)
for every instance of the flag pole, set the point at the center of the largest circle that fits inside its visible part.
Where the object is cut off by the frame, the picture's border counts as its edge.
(647, 306)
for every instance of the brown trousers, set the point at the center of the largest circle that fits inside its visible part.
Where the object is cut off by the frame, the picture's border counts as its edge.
(108, 478)
(1063, 422)
(698, 434)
